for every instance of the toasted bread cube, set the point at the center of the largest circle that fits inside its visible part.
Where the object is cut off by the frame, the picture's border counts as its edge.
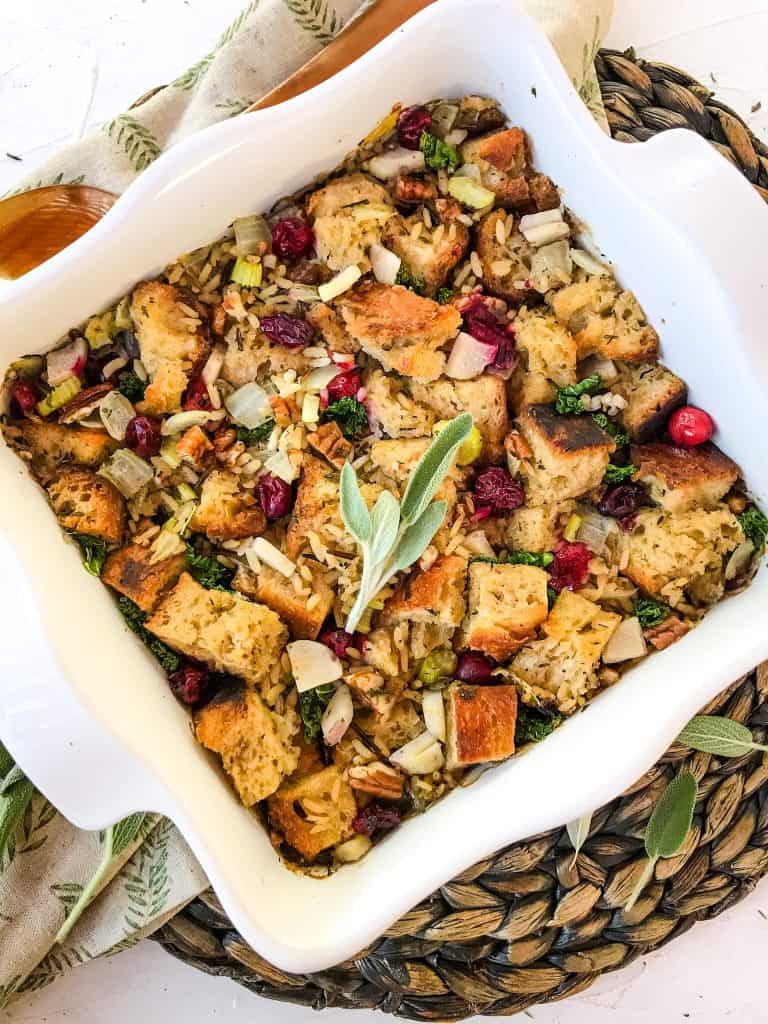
(380, 651)
(429, 256)
(316, 505)
(369, 690)
(507, 264)
(165, 330)
(506, 604)
(340, 214)
(485, 398)
(87, 503)
(543, 192)
(405, 332)
(554, 672)
(536, 527)
(502, 159)
(342, 193)
(550, 349)
(435, 595)
(670, 553)
(389, 732)
(398, 414)
(329, 324)
(480, 724)
(164, 393)
(605, 320)
(525, 388)
(314, 812)
(682, 478)
(131, 572)
(50, 445)
(225, 511)
(249, 358)
(303, 613)
(223, 630)
(570, 455)
(583, 624)
(652, 393)
(255, 745)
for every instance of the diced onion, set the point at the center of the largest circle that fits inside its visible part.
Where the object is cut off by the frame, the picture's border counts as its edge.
(279, 464)
(113, 366)
(546, 233)
(443, 118)
(419, 756)
(478, 544)
(551, 265)
(249, 405)
(310, 409)
(456, 137)
(385, 263)
(339, 284)
(127, 472)
(338, 716)
(263, 551)
(626, 643)
(434, 714)
(537, 220)
(606, 368)
(469, 171)
(116, 413)
(251, 234)
(595, 531)
(588, 262)
(313, 664)
(353, 849)
(320, 377)
(739, 560)
(66, 361)
(469, 357)
(392, 162)
(181, 421)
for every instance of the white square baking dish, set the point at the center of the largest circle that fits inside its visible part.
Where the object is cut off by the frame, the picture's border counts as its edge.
(83, 708)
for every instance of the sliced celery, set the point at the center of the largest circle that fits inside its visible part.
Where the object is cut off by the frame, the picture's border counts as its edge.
(247, 274)
(64, 393)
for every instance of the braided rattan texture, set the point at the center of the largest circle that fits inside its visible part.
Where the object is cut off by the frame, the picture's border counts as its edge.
(528, 925)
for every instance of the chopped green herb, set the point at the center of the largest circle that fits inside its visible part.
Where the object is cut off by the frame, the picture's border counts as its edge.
(134, 619)
(312, 704)
(568, 399)
(541, 559)
(552, 596)
(605, 424)
(408, 279)
(444, 296)
(94, 551)
(350, 416)
(256, 434)
(755, 525)
(132, 386)
(533, 725)
(438, 154)
(650, 612)
(208, 571)
(618, 474)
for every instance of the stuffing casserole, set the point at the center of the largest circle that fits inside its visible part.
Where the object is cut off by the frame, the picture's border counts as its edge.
(191, 441)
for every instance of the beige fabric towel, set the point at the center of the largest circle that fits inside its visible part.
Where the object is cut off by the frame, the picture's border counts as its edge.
(49, 862)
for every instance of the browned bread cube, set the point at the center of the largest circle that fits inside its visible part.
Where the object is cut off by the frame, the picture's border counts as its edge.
(481, 724)
(165, 329)
(652, 393)
(255, 745)
(485, 398)
(606, 320)
(369, 689)
(343, 218)
(436, 595)
(395, 409)
(87, 503)
(221, 629)
(399, 328)
(50, 445)
(165, 391)
(581, 623)
(506, 604)
(432, 254)
(304, 610)
(316, 505)
(569, 455)
(506, 264)
(551, 351)
(502, 159)
(226, 511)
(314, 812)
(679, 479)
(535, 527)
(131, 572)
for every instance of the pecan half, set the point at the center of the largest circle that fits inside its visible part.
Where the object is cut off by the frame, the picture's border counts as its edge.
(84, 403)
(329, 442)
(666, 633)
(377, 779)
(414, 190)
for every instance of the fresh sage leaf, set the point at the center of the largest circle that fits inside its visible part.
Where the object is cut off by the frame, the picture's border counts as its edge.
(668, 827)
(354, 511)
(720, 736)
(13, 803)
(578, 831)
(385, 522)
(418, 536)
(14, 775)
(431, 468)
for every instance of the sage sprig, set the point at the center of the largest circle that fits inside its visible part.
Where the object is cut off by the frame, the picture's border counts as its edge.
(393, 536)
(723, 737)
(116, 840)
(578, 831)
(16, 792)
(667, 828)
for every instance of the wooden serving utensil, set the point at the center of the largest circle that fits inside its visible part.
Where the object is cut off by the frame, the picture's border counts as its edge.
(35, 225)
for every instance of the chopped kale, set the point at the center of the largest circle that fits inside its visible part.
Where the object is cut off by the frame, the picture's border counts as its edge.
(444, 295)
(534, 725)
(568, 399)
(134, 619)
(255, 435)
(350, 416)
(94, 551)
(438, 154)
(132, 386)
(541, 559)
(408, 279)
(618, 474)
(208, 570)
(755, 525)
(649, 612)
(312, 704)
(605, 424)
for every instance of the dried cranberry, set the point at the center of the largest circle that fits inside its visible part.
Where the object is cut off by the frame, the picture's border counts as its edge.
(374, 816)
(292, 238)
(623, 500)
(474, 668)
(411, 124)
(344, 385)
(142, 435)
(481, 323)
(339, 640)
(497, 489)
(275, 496)
(570, 568)
(282, 329)
(196, 396)
(690, 426)
(26, 395)
(190, 685)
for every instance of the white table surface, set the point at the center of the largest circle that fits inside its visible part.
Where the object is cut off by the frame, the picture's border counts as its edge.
(50, 55)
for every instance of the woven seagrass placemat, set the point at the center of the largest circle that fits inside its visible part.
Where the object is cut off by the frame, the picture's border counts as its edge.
(526, 926)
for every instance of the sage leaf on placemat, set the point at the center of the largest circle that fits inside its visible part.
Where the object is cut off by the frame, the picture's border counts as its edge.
(720, 736)
(578, 831)
(117, 839)
(668, 826)
(16, 792)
